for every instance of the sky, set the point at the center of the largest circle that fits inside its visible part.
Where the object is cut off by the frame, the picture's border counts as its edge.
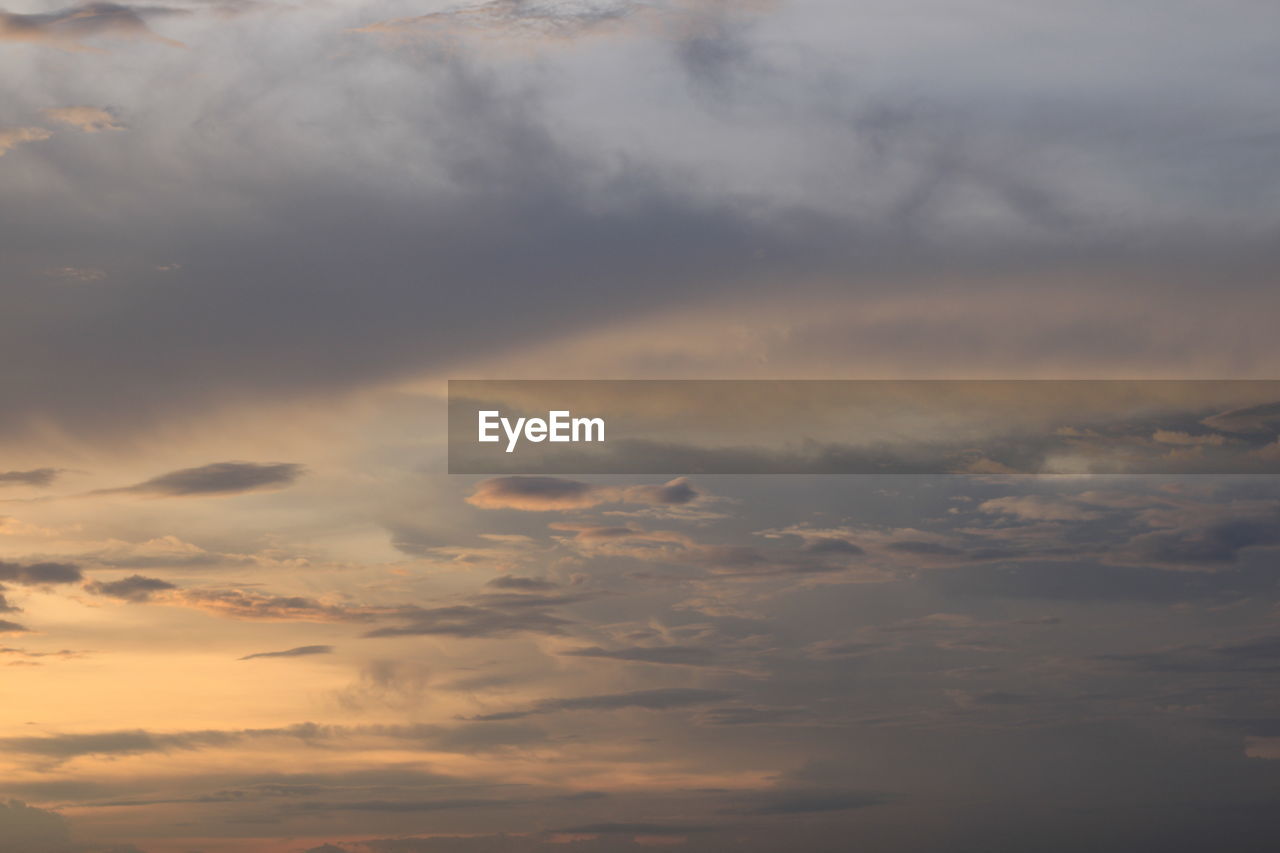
(245, 608)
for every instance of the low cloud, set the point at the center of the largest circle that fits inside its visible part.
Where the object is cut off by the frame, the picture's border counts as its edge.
(39, 574)
(300, 651)
(246, 604)
(27, 829)
(85, 119)
(653, 830)
(36, 476)
(663, 699)
(662, 655)
(546, 494)
(1039, 508)
(136, 588)
(220, 478)
(466, 620)
(11, 138)
(811, 801)
(69, 27)
(519, 584)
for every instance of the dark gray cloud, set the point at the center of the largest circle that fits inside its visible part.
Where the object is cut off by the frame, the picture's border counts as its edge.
(1084, 581)
(7, 627)
(219, 478)
(299, 651)
(534, 493)
(747, 715)
(1260, 655)
(37, 574)
(662, 699)
(1216, 544)
(34, 477)
(811, 801)
(851, 183)
(519, 584)
(133, 588)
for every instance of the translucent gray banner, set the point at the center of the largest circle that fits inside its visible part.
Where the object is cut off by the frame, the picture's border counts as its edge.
(988, 427)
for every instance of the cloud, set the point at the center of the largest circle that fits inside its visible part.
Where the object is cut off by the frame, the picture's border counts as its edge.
(1258, 655)
(1039, 508)
(811, 801)
(662, 699)
(546, 494)
(38, 574)
(746, 715)
(1097, 582)
(62, 747)
(398, 685)
(1261, 419)
(653, 830)
(34, 477)
(219, 478)
(666, 655)
(467, 620)
(300, 651)
(7, 627)
(69, 27)
(248, 604)
(519, 584)
(1216, 544)
(11, 138)
(135, 588)
(27, 829)
(86, 119)
(24, 653)
(554, 19)
(406, 806)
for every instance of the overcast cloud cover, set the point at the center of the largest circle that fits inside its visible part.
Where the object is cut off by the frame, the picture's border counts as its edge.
(243, 608)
